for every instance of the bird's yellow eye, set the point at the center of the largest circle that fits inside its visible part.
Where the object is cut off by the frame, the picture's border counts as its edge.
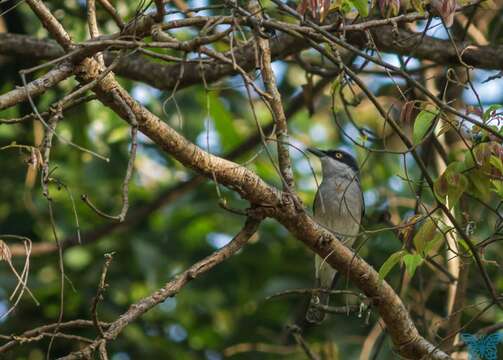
(338, 155)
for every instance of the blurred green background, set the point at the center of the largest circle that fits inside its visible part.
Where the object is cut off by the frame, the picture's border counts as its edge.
(228, 305)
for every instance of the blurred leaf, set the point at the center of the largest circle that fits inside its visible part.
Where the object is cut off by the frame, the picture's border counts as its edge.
(479, 185)
(432, 244)
(425, 234)
(390, 263)
(497, 163)
(223, 121)
(451, 184)
(422, 124)
(77, 257)
(412, 261)
(361, 6)
(498, 187)
(120, 133)
(490, 111)
(482, 154)
(389, 7)
(418, 6)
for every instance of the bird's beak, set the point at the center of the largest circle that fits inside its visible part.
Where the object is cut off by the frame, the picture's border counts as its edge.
(317, 152)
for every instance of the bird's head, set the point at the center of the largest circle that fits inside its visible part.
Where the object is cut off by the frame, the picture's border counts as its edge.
(336, 162)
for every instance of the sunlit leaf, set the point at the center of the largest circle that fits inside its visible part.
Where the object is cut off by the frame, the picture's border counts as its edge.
(498, 187)
(490, 111)
(412, 261)
(432, 244)
(451, 184)
(482, 153)
(120, 133)
(422, 124)
(223, 121)
(425, 234)
(361, 6)
(497, 163)
(390, 263)
(418, 6)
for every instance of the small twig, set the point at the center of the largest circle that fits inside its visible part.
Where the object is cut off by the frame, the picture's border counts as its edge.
(113, 13)
(129, 171)
(172, 287)
(44, 329)
(102, 286)
(314, 291)
(296, 333)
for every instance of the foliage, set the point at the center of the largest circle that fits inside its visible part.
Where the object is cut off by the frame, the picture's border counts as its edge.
(168, 229)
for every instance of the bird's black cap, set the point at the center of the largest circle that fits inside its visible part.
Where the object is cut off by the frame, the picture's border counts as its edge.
(337, 155)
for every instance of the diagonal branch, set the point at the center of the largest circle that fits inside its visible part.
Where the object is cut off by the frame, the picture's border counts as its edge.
(250, 186)
(38, 86)
(172, 288)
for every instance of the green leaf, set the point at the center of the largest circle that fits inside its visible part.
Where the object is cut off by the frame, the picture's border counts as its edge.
(422, 124)
(482, 154)
(432, 244)
(488, 113)
(390, 263)
(412, 261)
(479, 185)
(424, 235)
(451, 184)
(497, 163)
(418, 6)
(457, 186)
(498, 187)
(361, 6)
(223, 121)
(119, 133)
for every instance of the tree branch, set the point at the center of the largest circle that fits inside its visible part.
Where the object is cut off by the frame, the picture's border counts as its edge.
(172, 288)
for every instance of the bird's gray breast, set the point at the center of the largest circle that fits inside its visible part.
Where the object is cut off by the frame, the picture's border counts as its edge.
(338, 207)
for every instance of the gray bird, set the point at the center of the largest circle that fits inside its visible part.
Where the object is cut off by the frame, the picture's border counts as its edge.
(339, 207)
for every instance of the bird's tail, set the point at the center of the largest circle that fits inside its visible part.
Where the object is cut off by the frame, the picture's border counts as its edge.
(314, 314)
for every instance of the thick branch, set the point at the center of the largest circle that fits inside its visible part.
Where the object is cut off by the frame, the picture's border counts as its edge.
(163, 76)
(37, 86)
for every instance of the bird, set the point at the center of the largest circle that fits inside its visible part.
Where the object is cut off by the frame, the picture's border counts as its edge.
(339, 207)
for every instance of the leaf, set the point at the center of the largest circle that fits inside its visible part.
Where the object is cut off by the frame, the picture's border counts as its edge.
(324, 10)
(497, 163)
(118, 134)
(223, 121)
(441, 187)
(422, 124)
(432, 244)
(412, 261)
(498, 187)
(418, 6)
(406, 112)
(390, 263)
(457, 186)
(451, 184)
(479, 185)
(490, 110)
(482, 154)
(361, 6)
(424, 235)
